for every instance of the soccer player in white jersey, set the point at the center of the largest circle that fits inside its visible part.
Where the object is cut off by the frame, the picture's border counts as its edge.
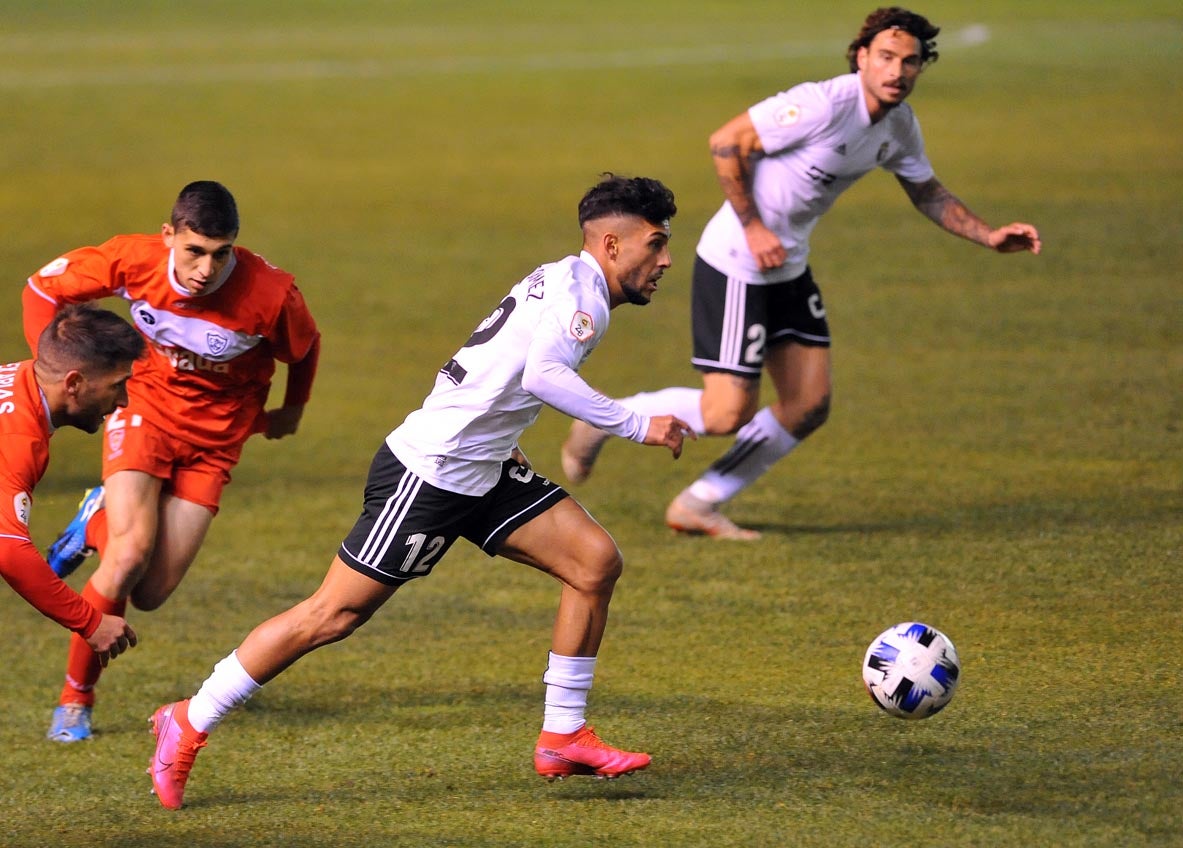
(755, 306)
(453, 468)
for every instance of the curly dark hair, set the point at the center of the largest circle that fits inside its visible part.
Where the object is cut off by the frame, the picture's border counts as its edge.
(616, 195)
(895, 17)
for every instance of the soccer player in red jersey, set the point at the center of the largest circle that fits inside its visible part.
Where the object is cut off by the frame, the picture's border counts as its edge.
(216, 318)
(80, 375)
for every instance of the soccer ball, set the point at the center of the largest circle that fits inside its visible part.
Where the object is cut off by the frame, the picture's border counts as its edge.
(911, 670)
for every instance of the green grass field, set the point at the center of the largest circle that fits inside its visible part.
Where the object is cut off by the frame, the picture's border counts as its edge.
(1004, 459)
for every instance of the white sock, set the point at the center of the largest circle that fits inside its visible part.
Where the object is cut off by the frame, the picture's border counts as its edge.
(229, 686)
(758, 445)
(681, 401)
(568, 680)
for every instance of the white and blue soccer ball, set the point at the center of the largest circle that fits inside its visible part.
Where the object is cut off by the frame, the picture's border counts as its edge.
(911, 670)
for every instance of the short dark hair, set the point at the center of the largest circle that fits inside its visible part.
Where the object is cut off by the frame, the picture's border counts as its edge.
(895, 17)
(616, 195)
(84, 337)
(207, 208)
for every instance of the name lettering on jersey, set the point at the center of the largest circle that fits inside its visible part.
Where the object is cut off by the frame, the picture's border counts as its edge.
(536, 281)
(55, 268)
(582, 327)
(787, 115)
(7, 379)
(187, 360)
(22, 505)
(818, 175)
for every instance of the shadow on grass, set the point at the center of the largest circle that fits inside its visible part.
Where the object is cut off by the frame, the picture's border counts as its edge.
(421, 749)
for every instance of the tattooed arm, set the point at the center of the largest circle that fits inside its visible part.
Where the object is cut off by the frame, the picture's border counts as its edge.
(942, 207)
(735, 147)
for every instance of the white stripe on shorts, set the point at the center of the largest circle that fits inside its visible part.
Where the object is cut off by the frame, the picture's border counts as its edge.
(553, 492)
(731, 334)
(385, 529)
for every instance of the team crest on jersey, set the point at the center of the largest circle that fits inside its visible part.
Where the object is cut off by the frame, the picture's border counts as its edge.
(217, 343)
(115, 441)
(582, 327)
(787, 115)
(22, 505)
(55, 268)
(882, 154)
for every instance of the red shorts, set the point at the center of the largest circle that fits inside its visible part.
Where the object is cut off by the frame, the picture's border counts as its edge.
(189, 472)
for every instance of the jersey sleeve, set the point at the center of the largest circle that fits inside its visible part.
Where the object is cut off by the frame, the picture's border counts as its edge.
(24, 569)
(81, 275)
(790, 118)
(297, 344)
(21, 565)
(564, 337)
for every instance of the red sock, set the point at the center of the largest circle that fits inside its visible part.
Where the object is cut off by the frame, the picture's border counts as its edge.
(96, 531)
(82, 663)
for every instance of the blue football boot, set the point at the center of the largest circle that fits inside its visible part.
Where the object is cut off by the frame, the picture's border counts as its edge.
(70, 548)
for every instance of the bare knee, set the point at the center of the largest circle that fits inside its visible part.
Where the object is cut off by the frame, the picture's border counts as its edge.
(728, 402)
(597, 566)
(125, 563)
(723, 422)
(323, 625)
(802, 422)
(127, 558)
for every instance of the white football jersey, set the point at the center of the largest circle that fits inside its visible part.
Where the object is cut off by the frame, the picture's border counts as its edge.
(524, 354)
(818, 140)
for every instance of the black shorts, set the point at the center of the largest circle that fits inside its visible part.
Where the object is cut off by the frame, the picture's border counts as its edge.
(735, 321)
(407, 524)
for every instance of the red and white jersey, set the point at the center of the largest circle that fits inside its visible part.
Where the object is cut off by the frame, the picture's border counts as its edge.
(24, 433)
(818, 140)
(210, 357)
(525, 354)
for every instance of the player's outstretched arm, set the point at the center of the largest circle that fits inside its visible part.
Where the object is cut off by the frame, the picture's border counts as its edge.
(943, 208)
(111, 638)
(669, 431)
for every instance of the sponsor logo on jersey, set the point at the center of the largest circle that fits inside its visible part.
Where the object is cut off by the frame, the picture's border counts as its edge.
(22, 505)
(787, 115)
(55, 268)
(186, 360)
(582, 327)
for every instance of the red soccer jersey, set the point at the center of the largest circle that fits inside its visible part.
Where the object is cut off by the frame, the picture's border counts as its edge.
(24, 432)
(210, 357)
